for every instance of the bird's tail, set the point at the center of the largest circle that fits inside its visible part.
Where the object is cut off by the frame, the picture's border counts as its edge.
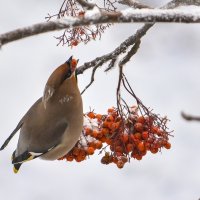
(16, 167)
(11, 136)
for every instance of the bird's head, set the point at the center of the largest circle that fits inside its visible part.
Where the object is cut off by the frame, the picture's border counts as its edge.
(65, 73)
(71, 67)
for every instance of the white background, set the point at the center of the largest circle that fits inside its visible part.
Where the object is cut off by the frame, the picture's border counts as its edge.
(164, 74)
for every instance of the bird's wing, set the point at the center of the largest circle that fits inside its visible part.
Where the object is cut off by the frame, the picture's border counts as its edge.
(11, 135)
(19, 125)
(33, 144)
(34, 147)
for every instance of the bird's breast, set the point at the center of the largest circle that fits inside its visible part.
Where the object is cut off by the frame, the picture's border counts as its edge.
(65, 99)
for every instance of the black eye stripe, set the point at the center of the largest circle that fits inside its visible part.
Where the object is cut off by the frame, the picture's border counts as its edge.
(69, 73)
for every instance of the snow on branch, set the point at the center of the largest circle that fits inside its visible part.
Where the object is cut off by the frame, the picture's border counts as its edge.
(95, 16)
(176, 3)
(86, 4)
(133, 4)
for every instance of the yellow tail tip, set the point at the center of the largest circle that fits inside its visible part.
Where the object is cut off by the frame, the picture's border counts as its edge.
(15, 170)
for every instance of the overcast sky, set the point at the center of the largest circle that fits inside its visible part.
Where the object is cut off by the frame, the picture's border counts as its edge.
(164, 74)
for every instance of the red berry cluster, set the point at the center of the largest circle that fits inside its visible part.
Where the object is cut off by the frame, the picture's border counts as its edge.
(128, 136)
(82, 149)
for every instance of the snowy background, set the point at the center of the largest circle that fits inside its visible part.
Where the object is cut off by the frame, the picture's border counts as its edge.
(164, 74)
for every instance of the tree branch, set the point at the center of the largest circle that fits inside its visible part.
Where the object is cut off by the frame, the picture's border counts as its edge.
(132, 40)
(127, 15)
(132, 52)
(111, 64)
(119, 50)
(92, 78)
(176, 3)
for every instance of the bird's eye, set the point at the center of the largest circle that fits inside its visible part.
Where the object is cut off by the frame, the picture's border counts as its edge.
(68, 74)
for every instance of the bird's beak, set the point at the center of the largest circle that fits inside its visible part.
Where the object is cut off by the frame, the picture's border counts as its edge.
(69, 60)
(72, 62)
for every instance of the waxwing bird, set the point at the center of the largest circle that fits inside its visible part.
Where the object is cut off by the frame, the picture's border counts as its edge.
(53, 125)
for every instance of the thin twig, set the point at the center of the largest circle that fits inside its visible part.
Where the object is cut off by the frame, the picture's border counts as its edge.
(190, 117)
(121, 65)
(118, 91)
(132, 52)
(111, 65)
(91, 80)
(61, 8)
